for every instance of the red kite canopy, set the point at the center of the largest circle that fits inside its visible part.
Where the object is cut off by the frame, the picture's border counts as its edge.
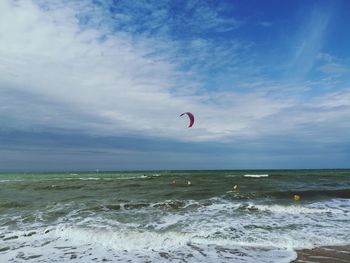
(190, 115)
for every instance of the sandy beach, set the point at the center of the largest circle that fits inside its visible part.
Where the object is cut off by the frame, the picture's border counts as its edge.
(327, 254)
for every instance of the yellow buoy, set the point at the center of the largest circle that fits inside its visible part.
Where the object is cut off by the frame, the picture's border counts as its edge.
(235, 187)
(296, 197)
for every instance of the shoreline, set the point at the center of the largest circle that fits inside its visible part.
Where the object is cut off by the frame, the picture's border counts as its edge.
(324, 254)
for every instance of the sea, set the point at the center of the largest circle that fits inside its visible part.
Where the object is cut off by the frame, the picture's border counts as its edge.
(172, 216)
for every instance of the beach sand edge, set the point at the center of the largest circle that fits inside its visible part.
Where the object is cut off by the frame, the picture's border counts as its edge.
(326, 254)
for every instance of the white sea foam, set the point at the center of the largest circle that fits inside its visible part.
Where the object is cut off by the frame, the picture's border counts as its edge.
(11, 180)
(124, 240)
(220, 231)
(75, 178)
(293, 209)
(256, 175)
(91, 245)
(232, 175)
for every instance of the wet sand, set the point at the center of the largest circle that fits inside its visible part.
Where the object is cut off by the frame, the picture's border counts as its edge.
(334, 254)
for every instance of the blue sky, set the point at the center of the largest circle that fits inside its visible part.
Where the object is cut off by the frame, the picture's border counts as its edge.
(99, 84)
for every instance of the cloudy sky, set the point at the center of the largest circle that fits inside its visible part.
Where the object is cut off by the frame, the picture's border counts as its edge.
(100, 84)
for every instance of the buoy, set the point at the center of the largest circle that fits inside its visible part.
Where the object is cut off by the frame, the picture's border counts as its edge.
(189, 183)
(174, 182)
(235, 187)
(296, 197)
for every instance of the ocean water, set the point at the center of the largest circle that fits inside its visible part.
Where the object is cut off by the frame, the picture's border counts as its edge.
(157, 217)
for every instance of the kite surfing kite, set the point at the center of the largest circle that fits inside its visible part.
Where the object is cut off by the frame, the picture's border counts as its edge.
(190, 115)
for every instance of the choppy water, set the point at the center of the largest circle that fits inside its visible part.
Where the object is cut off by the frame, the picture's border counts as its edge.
(144, 217)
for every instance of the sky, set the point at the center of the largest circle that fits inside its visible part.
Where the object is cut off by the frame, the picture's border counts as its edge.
(100, 84)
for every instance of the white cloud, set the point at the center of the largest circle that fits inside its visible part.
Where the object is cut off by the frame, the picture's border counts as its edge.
(333, 68)
(113, 83)
(56, 73)
(204, 17)
(46, 53)
(309, 42)
(325, 57)
(331, 65)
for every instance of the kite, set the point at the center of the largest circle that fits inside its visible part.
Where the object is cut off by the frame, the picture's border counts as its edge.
(190, 115)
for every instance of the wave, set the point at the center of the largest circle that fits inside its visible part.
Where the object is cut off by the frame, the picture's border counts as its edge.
(207, 242)
(337, 193)
(165, 205)
(256, 175)
(287, 209)
(218, 230)
(124, 240)
(11, 180)
(304, 194)
(77, 178)
(13, 204)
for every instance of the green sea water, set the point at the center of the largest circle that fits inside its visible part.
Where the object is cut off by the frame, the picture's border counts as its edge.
(154, 216)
